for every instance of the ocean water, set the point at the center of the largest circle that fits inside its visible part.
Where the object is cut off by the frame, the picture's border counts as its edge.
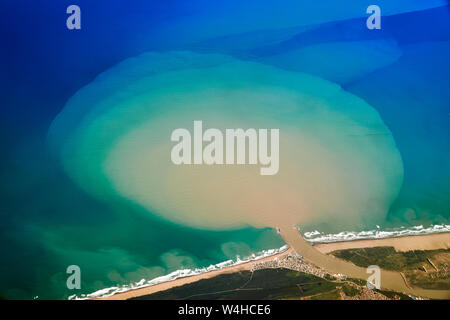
(57, 208)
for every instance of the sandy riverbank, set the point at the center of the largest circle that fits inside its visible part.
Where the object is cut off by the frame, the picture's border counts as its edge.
(420, 242)
(406, 243)
(390, 280)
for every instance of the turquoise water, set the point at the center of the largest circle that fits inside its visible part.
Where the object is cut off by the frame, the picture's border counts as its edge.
(66, 198)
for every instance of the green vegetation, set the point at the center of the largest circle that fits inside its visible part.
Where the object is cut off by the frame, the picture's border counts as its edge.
(426, 269)
(433, 280)
(330, 277)
(359, 282)
(394, 295)
(350, 290)
(330, 295)
(262, 284)
(386, 257)
(267, 284)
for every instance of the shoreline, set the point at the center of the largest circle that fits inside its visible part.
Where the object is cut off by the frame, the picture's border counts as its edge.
(190, 279)
(400, 243)
(392, 280)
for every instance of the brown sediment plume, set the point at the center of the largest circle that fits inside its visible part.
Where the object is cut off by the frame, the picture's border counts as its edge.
(389, 279)
(336, 155)
(436, 241)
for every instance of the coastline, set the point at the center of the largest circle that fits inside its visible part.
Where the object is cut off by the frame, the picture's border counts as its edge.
(392, 280)
(189, 279)
(400, 243)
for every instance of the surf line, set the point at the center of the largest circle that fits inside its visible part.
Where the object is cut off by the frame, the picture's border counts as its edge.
(233, 139)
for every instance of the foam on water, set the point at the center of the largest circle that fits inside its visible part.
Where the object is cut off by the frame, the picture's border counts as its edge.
(320, 237)
(103, 293)
(311, 236)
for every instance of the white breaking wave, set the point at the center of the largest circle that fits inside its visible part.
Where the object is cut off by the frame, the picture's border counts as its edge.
(103, 293)
(312, 237)
(320, 237)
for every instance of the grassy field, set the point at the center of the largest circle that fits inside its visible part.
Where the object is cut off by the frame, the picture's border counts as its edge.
(262, 284)
(427, 269)
(265, 284)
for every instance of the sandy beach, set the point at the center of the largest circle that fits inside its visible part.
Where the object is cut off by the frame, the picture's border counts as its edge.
(406, 243)
(185, 280)
(420, 242)
(391, 280)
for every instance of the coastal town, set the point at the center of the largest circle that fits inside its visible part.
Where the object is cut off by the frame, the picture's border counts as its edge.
(343, 287)
(292, 261)
(295, 261)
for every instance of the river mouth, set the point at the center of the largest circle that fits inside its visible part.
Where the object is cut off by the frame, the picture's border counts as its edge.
(389, 279)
